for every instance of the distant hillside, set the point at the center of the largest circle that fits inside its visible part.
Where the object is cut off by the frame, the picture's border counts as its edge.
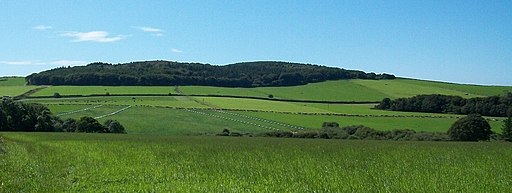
(162, 73)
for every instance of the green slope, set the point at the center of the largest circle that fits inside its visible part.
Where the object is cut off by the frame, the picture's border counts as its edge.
(12, 81)
(340, 90)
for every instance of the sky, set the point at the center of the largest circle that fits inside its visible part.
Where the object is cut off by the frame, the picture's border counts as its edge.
(456, 41)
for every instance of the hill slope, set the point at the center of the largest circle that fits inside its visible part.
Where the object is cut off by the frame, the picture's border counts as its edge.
(165, 73)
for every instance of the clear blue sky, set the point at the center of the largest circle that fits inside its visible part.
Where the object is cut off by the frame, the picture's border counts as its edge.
(459, 41)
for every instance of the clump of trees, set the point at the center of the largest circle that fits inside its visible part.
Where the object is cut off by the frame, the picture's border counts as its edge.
(497, 106)
(18, 116)
(470, 128)
(91, 125)
(248, 74)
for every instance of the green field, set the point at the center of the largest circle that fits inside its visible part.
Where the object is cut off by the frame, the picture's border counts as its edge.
(340, 90)
(14, 86)
(377, 122)
(165, 101)
(146, 114)
(66, 162)
(102, 90)
(171, 144)
(12, 81)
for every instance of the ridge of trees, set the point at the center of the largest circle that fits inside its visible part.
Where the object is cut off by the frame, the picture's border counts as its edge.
(18, 116)
(497, 106)
(163, 73)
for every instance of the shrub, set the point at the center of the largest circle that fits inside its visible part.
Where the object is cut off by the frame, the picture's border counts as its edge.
(470, 128)
(57, 95)
(330, 124)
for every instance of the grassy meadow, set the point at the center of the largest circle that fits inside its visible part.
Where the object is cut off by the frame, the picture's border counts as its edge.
(339, 90)
(13, 86)
(67, 162)
(171, 144)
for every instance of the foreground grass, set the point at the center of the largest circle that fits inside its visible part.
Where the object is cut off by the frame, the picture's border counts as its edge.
(66, 162)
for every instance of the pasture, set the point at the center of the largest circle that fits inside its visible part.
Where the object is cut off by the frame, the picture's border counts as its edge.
(340, 90)
(103, 90)
(179, 115)
(14, 86)
(12, 81)
(72, 162)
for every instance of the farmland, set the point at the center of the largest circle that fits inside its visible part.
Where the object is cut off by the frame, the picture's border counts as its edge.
(171, 143)
(13, 86)
(341, 90)
(129, 163)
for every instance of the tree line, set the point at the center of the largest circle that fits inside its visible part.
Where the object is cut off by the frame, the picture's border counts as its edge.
(497, 106)
(164, 73)
(18, 116)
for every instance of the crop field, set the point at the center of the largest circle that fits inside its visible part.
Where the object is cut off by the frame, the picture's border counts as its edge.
(134, 163)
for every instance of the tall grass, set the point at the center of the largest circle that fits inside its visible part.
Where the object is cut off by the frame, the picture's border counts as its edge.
(64, 162)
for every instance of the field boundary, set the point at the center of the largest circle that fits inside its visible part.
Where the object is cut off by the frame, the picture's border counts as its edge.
(207, 95)
(30, 92)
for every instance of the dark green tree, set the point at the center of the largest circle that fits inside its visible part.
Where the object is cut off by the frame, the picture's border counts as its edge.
(114, 126)
(330, 124)
(45, 122)
(70, 125)
(470, 128)
(507, 129)
(90, 125)
(3, 120)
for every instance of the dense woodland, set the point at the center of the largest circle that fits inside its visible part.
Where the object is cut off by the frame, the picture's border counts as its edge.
(162, 73)
(18, 116)
(498, 106)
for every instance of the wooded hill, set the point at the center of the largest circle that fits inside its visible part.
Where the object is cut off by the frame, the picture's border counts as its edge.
(162, 73)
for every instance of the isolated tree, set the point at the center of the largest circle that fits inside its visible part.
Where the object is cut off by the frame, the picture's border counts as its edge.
(470, 128)
(57, 95)
(114, 126)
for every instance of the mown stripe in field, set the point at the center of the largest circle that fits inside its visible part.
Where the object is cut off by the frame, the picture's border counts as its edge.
(78, 111)
(231, 119)
(113, 113)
